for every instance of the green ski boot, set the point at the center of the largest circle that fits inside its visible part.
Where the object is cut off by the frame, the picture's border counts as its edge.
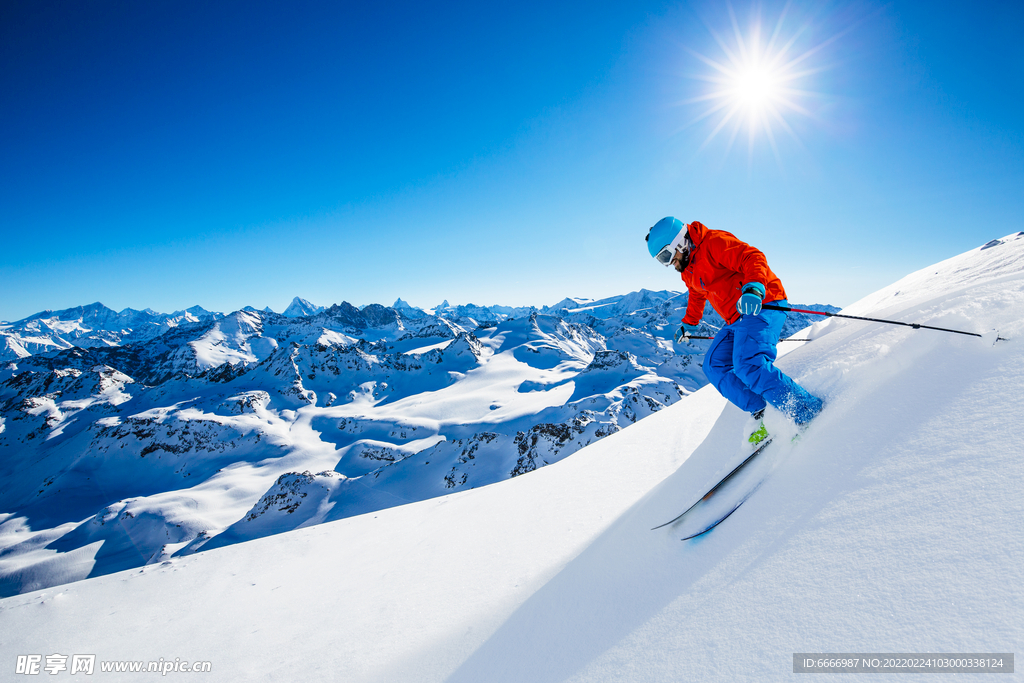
(761, 433)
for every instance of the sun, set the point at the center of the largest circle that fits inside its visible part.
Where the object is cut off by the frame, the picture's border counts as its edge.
(758, 84)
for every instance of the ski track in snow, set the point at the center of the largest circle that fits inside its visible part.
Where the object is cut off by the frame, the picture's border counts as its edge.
(894, 524)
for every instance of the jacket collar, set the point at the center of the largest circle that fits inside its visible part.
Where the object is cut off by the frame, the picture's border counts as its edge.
(697, 231)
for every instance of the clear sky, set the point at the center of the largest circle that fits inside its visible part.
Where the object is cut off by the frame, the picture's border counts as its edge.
(167, 154)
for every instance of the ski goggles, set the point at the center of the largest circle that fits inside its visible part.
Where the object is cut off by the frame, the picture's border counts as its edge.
(665, 256)
(682, 243)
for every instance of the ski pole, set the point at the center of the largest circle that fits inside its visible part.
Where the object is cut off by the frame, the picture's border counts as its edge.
(781, 340)
(916, 326)
(718, 328)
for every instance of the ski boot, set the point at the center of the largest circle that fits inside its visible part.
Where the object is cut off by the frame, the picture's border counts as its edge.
(761, 433)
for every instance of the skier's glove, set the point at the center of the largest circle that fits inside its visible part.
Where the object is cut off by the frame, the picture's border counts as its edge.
(684, 332)
(750, 301)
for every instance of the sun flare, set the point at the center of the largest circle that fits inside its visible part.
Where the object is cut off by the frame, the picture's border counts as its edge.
(756, 83)
(755, 86)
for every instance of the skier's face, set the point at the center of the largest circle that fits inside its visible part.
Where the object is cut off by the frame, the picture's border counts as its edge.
(679, 261)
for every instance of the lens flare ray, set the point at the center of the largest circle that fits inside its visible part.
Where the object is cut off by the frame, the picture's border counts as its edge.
(758, 85)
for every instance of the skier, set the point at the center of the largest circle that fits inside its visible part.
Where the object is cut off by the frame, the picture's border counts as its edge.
(736, 279)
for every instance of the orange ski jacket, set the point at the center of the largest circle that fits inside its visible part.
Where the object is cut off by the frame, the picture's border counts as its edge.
(720, 264)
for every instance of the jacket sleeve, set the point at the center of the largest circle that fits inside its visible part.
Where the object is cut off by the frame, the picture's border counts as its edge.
(739, 257)
(694, 307)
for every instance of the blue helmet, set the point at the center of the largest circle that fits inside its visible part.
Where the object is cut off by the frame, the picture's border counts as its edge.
(665, 237)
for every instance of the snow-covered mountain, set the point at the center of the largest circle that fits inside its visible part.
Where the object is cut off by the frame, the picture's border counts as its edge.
(482, 314)
(408, 310)
(223, 428)
(299, 308)
(894, 524)
(90, 326)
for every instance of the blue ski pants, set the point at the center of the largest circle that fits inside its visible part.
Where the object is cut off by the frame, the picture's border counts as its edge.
(741, 365)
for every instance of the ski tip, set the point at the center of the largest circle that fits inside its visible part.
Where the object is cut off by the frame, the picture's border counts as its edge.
(689, 538)
(669, 522)
(701, 533)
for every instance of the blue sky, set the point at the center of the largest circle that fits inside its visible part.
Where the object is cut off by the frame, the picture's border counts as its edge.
(167, 154)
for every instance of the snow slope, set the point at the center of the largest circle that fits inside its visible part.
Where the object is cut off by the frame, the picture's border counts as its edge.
(894, 524)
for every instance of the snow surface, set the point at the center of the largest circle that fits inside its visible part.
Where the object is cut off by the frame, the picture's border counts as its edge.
(893, 524)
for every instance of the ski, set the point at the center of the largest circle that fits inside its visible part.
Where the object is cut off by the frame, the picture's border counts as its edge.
(706, 503)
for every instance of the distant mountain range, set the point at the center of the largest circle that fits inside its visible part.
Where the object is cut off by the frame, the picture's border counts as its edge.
(163, 434)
